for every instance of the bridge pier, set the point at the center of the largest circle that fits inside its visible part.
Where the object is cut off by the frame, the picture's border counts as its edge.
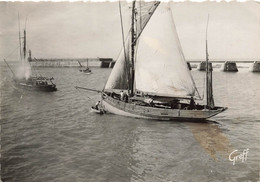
(255, 66)
(202, 66)
(229, 66)
(189, 66)
(105, 62)
(112, 64)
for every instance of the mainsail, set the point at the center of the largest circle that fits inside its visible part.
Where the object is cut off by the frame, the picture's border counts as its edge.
(119, 76)
(160, 67)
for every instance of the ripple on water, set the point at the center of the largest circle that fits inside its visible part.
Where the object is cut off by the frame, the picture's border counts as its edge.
(55, 137)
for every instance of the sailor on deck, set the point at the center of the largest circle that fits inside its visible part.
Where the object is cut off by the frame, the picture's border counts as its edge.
(97, 105)
(121, 95)
(149, 101)
(192, 103)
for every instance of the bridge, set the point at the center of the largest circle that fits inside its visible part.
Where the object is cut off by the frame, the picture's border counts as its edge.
(72, 62)
(227, 65)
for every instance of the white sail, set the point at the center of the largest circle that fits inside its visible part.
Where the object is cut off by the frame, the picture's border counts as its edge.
(144, 11)
(160, 67)
(118, 78)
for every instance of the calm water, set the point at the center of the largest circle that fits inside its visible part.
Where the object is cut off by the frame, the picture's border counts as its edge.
(55, 137)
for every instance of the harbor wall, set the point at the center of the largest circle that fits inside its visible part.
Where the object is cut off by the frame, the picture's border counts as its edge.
(91, 62)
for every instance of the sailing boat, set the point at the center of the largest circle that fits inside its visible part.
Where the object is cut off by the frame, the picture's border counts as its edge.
(24, 79)
(150, 78)
(86, 70)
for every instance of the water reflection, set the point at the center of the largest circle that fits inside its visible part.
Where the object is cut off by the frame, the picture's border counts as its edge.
(211, 138)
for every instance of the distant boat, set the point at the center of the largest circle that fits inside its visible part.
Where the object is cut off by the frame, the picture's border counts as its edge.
(24, 79)
(150, 78)
(36, 83)
(83, 69)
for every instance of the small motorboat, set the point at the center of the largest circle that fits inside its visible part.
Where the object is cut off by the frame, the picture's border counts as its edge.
(97, 110)
(36, 83)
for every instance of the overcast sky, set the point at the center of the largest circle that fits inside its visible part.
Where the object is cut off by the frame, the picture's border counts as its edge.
(80, 30)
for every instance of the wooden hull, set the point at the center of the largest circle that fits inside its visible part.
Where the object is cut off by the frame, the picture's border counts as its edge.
(96, 110)
(115, 106)
(43, 88)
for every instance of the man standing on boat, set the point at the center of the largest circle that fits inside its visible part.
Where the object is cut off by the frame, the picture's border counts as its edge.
(192, 104)
(121, 95)
(97, 105)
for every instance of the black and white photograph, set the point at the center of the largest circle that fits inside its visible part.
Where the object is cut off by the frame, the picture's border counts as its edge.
(130, 91)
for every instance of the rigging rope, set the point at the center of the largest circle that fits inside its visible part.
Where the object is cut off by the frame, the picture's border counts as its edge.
(122, 29)
(8, 56)
(12, 52)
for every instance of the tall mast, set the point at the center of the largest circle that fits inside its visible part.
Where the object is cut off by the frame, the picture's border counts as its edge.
(210, 100)
(20, 46)
(24, 45)
(24, 40)
(133, 49)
